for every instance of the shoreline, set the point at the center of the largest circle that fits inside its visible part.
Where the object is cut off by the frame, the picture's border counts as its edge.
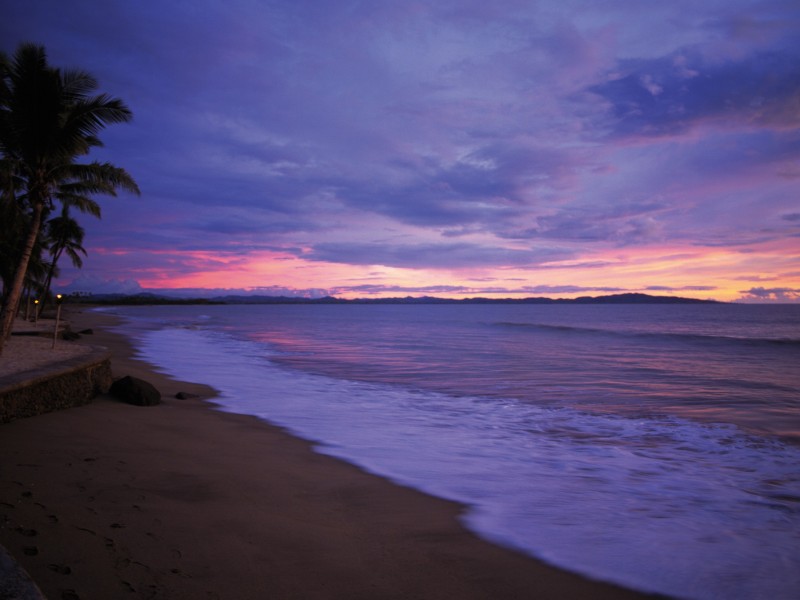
(182, 500)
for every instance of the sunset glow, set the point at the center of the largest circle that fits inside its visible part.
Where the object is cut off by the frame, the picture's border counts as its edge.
(458, 149)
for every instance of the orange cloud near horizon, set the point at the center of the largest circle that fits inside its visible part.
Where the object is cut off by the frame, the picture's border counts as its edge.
(723, 274)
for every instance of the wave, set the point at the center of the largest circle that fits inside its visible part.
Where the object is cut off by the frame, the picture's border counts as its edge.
(693, 336)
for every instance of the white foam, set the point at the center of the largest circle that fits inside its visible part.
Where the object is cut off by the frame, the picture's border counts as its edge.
(661, 505)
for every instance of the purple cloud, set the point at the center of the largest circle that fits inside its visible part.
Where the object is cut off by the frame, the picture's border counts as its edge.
(436, 256)
(437, 135)
(778, 294)
(673, 94)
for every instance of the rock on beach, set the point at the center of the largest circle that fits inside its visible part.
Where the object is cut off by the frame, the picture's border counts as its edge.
(135, 391)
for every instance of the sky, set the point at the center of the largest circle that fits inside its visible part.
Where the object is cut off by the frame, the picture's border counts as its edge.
(453, 148)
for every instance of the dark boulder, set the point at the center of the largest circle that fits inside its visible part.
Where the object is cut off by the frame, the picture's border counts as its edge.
(185, 396)
(135, 391)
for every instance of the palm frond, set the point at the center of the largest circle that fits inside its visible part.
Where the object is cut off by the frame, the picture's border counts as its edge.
(81, 202)
(77, 84)
(103, 178)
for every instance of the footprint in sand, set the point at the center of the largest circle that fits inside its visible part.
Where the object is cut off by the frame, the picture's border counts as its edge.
(30, 550)
(61, 569)
(129, 587)
(69, 595)
(26, 532)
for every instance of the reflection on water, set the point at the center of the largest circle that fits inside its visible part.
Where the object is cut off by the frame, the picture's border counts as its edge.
(698, 363)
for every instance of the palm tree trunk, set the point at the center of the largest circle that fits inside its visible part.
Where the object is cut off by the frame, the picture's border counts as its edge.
(49, 279)
(27, 294)
(12, 298)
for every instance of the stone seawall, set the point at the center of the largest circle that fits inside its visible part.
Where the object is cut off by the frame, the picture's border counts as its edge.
(72, 382)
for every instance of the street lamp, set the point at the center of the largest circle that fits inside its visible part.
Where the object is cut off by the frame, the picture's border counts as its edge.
(59, 298)
(36, 310)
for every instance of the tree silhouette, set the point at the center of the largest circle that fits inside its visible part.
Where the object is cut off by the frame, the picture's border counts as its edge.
(49, 118)
(63, 235)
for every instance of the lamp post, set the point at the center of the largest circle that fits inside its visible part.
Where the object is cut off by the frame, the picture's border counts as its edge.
(59, 298)
(36, 310)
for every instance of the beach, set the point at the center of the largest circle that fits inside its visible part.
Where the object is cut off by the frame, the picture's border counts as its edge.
(180, 501)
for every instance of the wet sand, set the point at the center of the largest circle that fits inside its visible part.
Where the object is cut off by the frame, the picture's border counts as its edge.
(180, 501)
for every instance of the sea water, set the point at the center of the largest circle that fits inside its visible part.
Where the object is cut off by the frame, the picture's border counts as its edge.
(655, 446)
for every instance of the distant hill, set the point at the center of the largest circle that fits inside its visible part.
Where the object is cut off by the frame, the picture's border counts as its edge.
(150, 298)
(639, 299)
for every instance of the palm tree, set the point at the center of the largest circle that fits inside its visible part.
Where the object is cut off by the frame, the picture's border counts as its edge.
(48, 119)
(64, 234)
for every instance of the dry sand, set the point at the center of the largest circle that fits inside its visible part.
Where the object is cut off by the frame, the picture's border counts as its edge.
(22, 352)
(181, 501)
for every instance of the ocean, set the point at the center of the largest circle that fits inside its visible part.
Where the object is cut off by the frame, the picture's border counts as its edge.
(654, 446)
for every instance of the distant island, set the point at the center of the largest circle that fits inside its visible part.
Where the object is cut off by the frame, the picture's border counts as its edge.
(150, 298)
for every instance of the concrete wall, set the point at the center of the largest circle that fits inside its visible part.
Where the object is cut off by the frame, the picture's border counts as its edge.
(71, 383)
